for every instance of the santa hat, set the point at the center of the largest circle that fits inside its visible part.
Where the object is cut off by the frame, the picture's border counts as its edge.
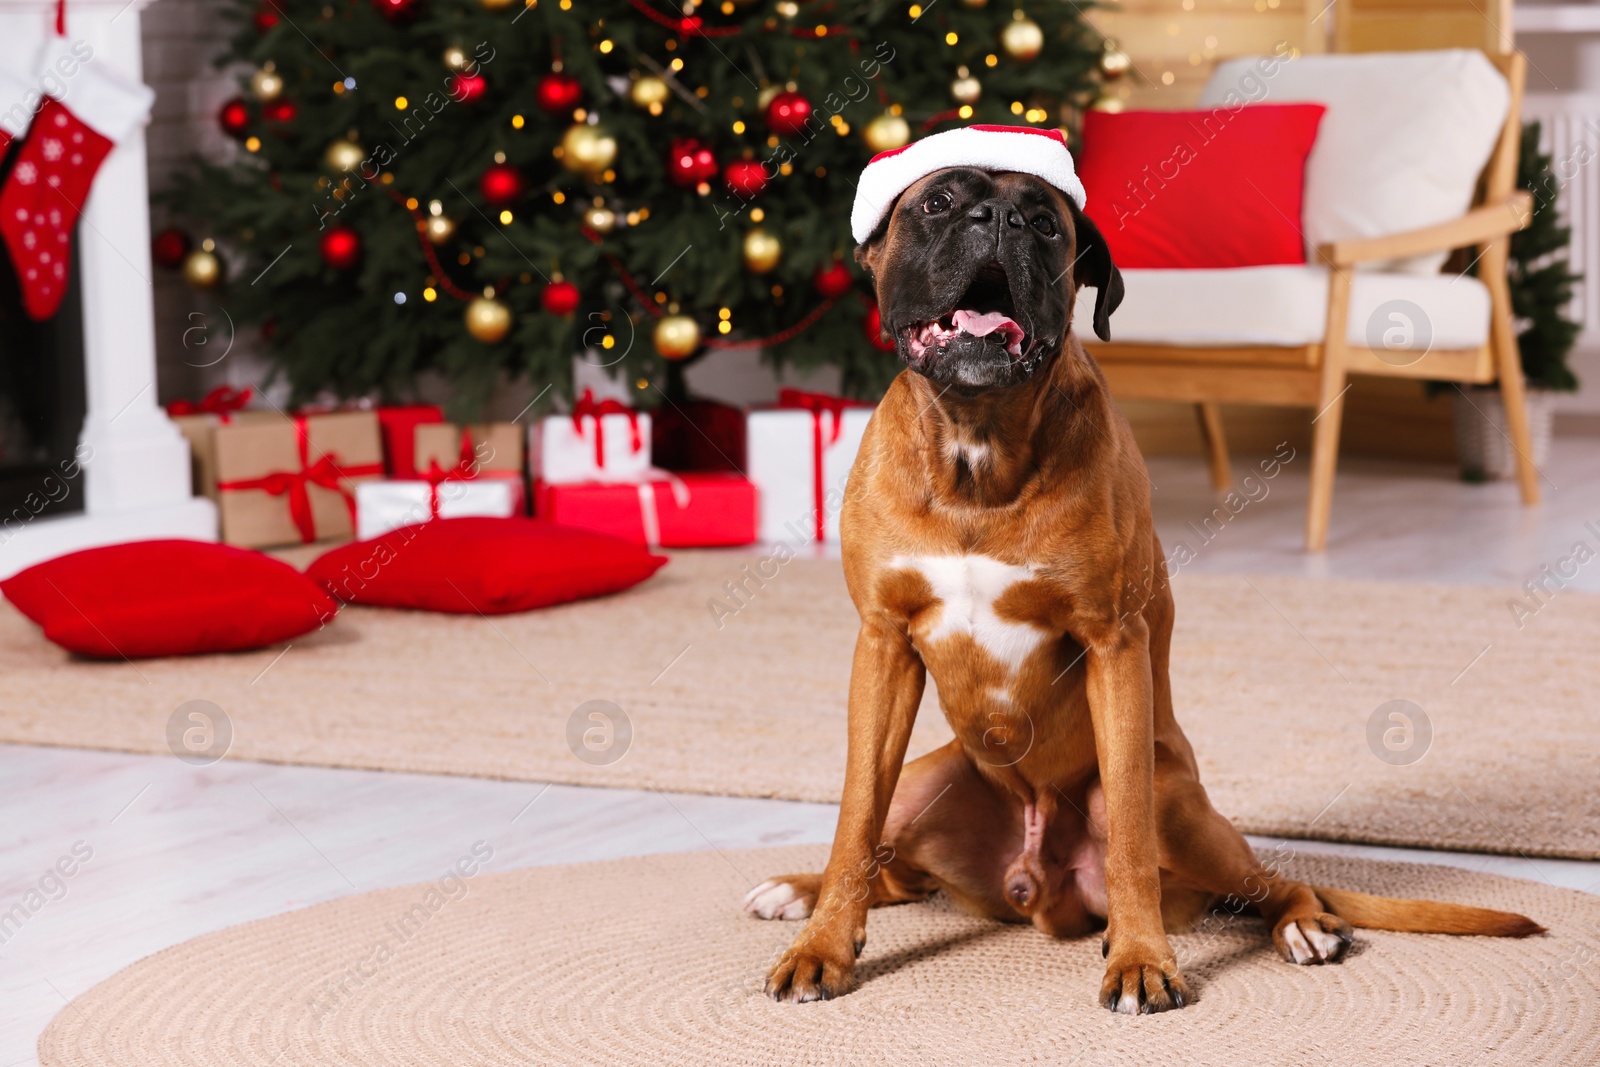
(1042, 153)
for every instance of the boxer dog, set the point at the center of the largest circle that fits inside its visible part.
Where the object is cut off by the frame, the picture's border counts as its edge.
(997, 535)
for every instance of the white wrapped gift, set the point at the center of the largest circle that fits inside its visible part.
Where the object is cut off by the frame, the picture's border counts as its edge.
(601, 441)
(799, 459)
(388, 504)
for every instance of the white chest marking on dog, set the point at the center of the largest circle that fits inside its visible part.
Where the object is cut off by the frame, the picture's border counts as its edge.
(967, 588)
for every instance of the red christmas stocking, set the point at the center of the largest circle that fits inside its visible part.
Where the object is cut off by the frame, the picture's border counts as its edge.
(44, 194)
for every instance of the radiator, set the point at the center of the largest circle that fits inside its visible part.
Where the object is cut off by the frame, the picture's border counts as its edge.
(1570, 132)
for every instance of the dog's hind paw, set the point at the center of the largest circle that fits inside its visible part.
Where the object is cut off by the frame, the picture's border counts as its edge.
(1313, 939)
(791, 896)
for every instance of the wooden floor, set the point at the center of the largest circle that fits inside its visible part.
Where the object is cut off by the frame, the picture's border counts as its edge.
(179, 850)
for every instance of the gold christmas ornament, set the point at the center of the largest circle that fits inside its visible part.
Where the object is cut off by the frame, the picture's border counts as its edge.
(456, 58)
(488, 320)
(966, 90)
(202, 269)
(1114, 62)
(343, 155)
(649, 92)
(764, 97)
(1110, 103)
(266, 83)
(761, 251)
(496, 5)
(600, 219)
(587, 150)
(676, 336)
(887, 132)
(1022, 39)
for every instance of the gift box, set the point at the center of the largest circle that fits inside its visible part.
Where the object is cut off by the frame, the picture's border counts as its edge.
(698, 435)
(287, 480)
(387, 504)
(398, 424)
(197, 420)
(799, 455)
(601, 441)
(485, 450)
(696, 510)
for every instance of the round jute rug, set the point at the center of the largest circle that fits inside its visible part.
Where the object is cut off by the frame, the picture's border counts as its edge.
(651, 961)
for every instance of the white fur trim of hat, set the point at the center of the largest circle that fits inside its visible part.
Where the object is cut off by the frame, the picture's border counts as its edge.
(1023, 149)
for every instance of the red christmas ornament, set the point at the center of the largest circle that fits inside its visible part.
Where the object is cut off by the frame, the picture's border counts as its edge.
(746, 178)
(234, 118)
(265, 19)
(558, 94)
(169, 247)
(501, 185)
(560, 298)
(787, 113)
(835, 281)
(280, 111)
(396, 10)
(690, 162)
(341, 248)
(468, 88)
(873, 326)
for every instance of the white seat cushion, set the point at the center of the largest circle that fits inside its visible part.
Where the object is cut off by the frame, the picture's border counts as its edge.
(1288, 305)
(1402, 144)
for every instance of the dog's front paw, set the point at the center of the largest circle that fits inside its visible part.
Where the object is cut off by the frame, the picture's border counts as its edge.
(1142, 980)
(1308, 939)
(818, 966)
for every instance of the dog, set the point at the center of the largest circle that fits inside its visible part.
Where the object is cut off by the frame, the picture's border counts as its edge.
(996, 534)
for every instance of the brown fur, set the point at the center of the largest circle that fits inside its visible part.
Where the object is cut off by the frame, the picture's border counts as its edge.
(1043, 474)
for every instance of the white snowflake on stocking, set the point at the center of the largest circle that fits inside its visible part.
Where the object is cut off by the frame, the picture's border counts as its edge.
(26, 173)
(52, 149)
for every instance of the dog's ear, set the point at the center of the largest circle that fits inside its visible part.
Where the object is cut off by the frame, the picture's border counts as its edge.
(1094, 267)
(869, 253)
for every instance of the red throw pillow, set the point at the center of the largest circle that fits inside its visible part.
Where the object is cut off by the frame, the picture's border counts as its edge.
(167, 598)
(482, 566)
(1216, 188)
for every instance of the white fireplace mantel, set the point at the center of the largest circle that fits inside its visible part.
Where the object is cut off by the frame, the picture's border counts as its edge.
(135, 476)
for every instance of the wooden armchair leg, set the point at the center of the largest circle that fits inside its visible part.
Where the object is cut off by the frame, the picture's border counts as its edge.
(1330, 411)
(1215, 442)
(1508, 367)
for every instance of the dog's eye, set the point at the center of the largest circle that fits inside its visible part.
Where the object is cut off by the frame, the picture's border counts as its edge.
(1045, 225)
(937, 204)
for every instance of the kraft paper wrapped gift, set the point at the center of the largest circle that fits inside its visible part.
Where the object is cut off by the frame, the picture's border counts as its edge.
(799, 455)
(486, 450)
(387, 504)
(197, 420)
(693, 510)
(289, 480)
(601, 441)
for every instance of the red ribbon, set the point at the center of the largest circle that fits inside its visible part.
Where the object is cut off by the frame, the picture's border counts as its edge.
(61, 18)
(325, 472)
(587, 407)
(222, 401)
(817, 404)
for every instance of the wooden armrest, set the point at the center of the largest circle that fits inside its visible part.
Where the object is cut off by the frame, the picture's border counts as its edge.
(1475, 227)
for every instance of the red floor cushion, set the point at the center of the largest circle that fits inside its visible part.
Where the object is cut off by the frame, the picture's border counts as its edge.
(1204, 189)
(482, 566)
(167, 598)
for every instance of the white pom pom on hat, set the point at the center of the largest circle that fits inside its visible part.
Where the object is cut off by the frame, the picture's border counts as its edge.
(1024, 149)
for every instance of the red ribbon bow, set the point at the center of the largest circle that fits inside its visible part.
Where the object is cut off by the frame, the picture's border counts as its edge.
(588, 407)
(466, 469)
(817, 404)
(222, 401)
(325, 472)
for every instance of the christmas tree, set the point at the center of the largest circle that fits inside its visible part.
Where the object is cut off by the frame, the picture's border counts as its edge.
(482, 188)
(1540, 274)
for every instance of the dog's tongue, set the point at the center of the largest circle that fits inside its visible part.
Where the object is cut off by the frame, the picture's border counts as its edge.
(982, 325)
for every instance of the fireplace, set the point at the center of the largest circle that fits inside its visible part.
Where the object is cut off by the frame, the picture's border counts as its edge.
(91, 459)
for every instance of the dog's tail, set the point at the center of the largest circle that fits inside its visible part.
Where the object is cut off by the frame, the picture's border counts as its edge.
(1423, 916)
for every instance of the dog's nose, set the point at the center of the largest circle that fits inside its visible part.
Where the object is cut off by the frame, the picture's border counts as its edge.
(997, 208)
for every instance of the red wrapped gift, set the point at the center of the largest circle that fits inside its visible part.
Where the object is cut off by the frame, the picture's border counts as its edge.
(398, 424)
(695, 510)
(700, 435)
